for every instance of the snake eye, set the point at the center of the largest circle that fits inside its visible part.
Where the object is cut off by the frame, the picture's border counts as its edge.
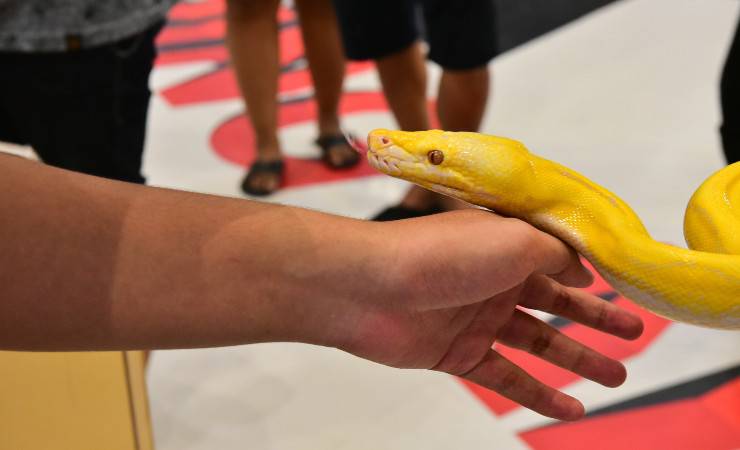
(436, 157)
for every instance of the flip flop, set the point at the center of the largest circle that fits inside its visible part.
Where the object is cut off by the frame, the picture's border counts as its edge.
(330, 141)
(400, 212)
(259, 168)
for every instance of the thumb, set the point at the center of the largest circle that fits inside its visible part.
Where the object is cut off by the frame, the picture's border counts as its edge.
(552, 257)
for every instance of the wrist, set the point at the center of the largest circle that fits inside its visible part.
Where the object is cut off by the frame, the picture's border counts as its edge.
(340, 278)
(302, 276)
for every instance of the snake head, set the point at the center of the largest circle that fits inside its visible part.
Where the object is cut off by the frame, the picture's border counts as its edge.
(468, 166)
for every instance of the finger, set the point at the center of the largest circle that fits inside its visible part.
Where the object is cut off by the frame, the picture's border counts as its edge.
(579, 306)
(478, 336)
(532, 335)
(554, 258)
(501, 375)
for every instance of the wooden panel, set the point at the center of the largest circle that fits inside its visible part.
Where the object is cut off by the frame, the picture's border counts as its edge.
(73, 401)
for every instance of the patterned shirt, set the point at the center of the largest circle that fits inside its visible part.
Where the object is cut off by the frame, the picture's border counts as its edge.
(60, 25)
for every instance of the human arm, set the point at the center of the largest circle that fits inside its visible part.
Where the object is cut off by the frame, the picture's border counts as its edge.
(88, 263)
(93, 264)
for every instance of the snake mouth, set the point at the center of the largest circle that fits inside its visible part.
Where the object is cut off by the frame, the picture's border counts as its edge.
(388, 159)
(385, 164)
(391, 159)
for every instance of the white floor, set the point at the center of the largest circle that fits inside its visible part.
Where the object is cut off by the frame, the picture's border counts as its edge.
(627, 95)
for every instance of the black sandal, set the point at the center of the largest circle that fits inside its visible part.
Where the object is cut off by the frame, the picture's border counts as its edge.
(400, 212)
(331, 141)
(259, 168)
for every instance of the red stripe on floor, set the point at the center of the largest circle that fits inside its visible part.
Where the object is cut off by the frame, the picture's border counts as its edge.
(711, 422)
(234, 140)
(189, 11)
(211, 29)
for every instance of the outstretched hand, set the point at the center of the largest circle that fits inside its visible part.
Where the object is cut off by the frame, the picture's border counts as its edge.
(151, 268)
(460, 283)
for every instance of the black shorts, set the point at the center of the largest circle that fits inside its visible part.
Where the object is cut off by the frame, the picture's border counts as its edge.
(461, 33)
(83, 110)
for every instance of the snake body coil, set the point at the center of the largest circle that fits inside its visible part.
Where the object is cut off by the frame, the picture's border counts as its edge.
(700, 285)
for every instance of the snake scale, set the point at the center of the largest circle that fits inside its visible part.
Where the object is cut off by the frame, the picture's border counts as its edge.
(699, 285)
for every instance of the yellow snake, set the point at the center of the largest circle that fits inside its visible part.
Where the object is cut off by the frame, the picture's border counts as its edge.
(700, 285)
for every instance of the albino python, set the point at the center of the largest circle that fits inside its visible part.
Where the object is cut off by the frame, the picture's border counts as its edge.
(700, 285)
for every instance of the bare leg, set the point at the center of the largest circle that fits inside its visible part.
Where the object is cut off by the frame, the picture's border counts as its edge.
(404, 78)
(462, 99)
(326, 63)
(252, 36)
(461, 103)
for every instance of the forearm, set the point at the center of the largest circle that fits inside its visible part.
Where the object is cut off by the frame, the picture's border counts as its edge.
(87, 263)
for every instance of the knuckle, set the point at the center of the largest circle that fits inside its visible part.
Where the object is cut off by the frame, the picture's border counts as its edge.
(509, 382)
(562, 302)
(579, 360)
(541, 343)
(602, 316)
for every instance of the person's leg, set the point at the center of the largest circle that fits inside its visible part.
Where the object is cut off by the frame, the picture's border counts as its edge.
(386, 31)
(403, 76)
(326, 63)
(462, 98)
(404, 79)
(461, 102)
(252, 35)
(402, 70)
(462, 39)
(730, 98)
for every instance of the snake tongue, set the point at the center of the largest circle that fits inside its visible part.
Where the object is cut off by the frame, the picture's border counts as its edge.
(356, 144)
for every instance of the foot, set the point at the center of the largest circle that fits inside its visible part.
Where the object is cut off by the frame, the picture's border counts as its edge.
(400, 212)
(420, 202)
(264, 177)
(337, 152)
